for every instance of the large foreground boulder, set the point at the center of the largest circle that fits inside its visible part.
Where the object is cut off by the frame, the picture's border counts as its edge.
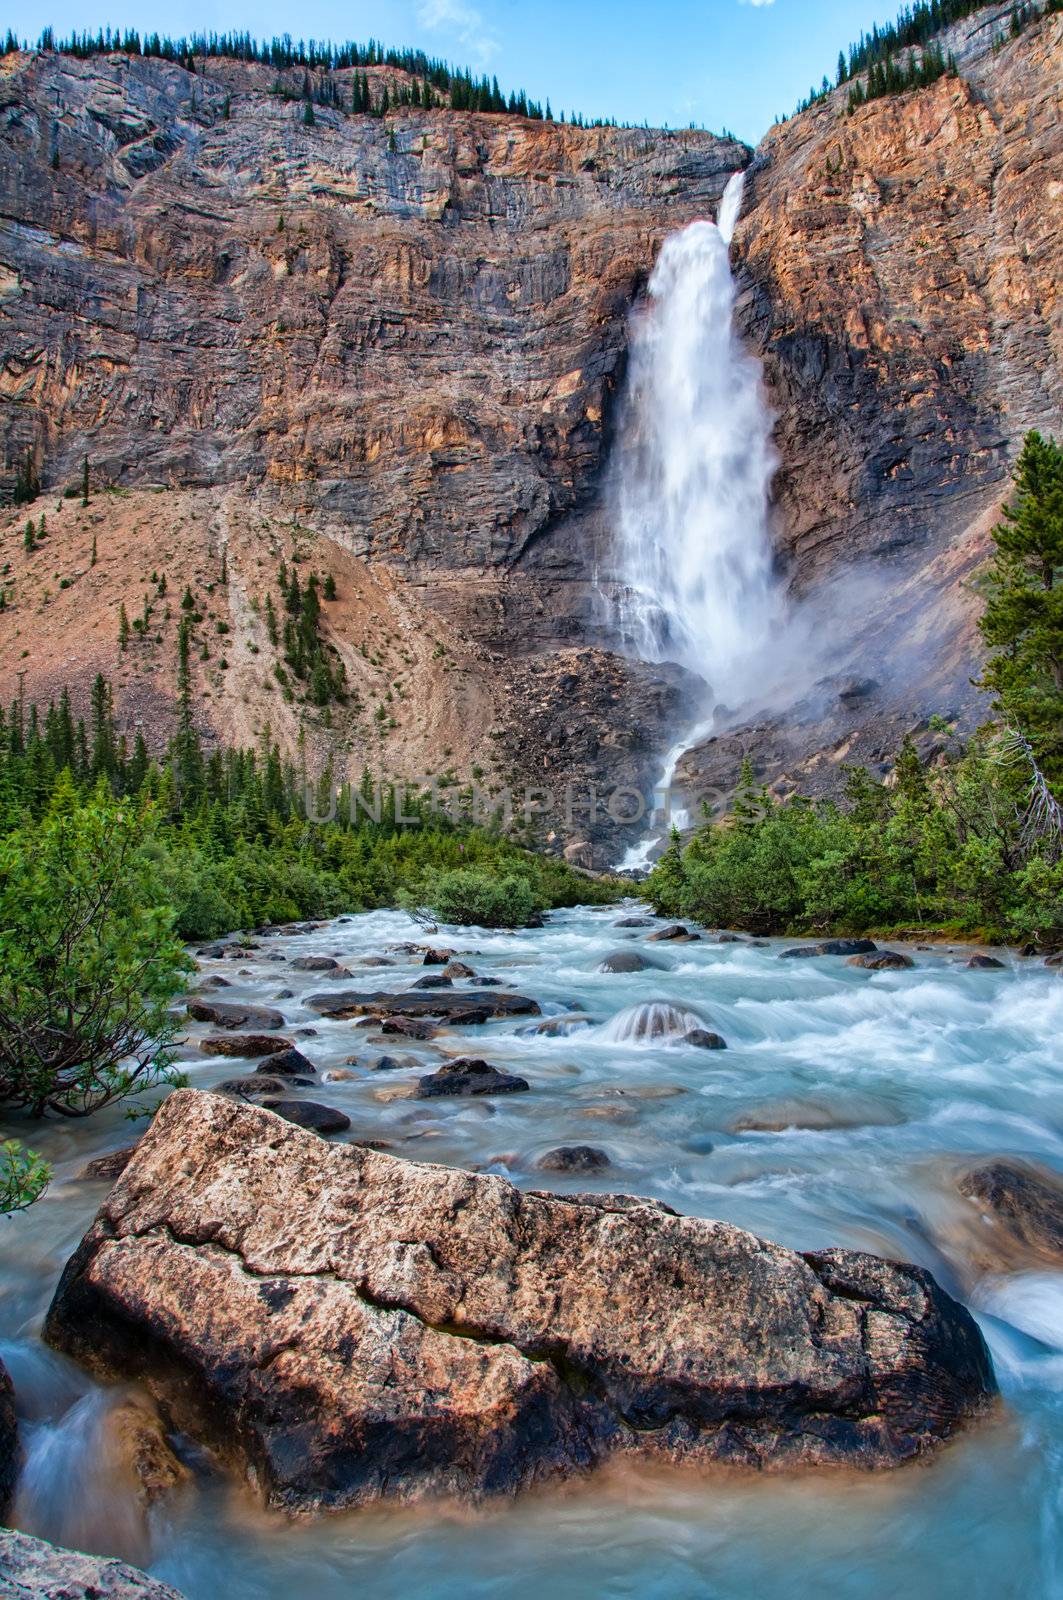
(32, 1567)
(352, 1327)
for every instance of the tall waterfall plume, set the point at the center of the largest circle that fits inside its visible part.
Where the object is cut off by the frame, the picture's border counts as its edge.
(696, 469)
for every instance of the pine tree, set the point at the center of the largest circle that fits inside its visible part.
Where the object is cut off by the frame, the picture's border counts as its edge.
(92, 558)
(123, 628)
(1023, 619)
(29, 541)
(225, 566)
(329, 589)
(308, 112)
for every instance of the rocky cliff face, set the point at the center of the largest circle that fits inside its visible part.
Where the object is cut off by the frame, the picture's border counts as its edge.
(394, 347)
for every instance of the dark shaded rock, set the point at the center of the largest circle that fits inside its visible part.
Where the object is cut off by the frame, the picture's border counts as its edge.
(208, 985)
(386, 1063)
(109, 1166)
(374, 961)
(468, 1076)
(846, 947)
(256, 1085)
(487, 983)
(462, 1010)
(284, 994)
(986, 963)
(729, 938)
(438, 980)
(244, 1044)
(574, 1158)
(213, 952)
(1025, 1200)
(314, 964)
(426, 1330)
(230, 1014)
(310, 1114)
(633, 922)
(881, 961)
(675, 930)
(409, 1027)
(553, 1027)
(704, 1039)
(458, 969)
(627, 961)
(290, 1063)
(437, 958)
(10, 1450)
(799, 952)
(32, 1567)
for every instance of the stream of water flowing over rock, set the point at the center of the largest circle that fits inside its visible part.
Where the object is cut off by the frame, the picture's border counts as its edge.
(695, 468)
(841, 1113)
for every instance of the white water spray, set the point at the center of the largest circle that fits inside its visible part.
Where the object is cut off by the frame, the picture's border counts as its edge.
(696, 470)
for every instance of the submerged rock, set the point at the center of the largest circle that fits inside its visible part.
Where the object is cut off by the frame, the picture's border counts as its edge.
(703, 1039)
(469, 1076)
(10, 1454)
(654, 1019)
(675, 930)
(230, 1014)
(45, 1571)
(424, 1330)
(986, 963)
(315, 964)
(633, 922)
(829, 947)
(1025, 1201)
(882, 961)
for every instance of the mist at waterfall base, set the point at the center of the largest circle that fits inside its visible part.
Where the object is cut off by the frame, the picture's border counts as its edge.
(840, 1114)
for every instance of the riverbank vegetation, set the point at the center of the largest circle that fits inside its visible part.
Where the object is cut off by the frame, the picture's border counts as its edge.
(968, 839)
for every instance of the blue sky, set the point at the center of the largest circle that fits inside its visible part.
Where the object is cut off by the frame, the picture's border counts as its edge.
(720, 63)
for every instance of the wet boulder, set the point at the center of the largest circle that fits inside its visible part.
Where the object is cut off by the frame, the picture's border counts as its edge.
(436, 980)
(1022, 1201)
(290, 1063)
(310, 1114)
(427, 1331)
(574, 1158)
(674, 931)
(468, 1076)
(108, 1166)
(231, 1015)
(633, 922)
(257, 1085)
(981, 963)
(45, 1571)
(704, 1039)
(244, 1044)
(409, 1027)
(628, 961)
(881, 961)
(315, 964)
(846, 947)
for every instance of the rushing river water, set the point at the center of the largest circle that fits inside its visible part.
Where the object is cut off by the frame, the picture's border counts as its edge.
(904, 1077)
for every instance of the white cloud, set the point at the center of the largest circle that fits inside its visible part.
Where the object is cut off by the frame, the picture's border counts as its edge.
(756, 2)
(467, 25)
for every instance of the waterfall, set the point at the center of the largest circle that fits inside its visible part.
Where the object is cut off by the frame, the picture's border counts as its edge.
(695, 470)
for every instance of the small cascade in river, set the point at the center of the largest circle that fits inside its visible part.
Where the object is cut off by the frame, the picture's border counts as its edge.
(695, 473)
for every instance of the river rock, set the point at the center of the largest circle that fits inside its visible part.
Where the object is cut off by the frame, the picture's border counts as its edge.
(355, 1327)
(846, 947)
(1025, 1201)
(314, 964)
(10, 1453)
(32, 1567)
(255, 1086)
(468, 1076)
(290, 1063)
(881, 961)
(675, 930)
(110, 1165)
(458, 969)
(633, 922)
(436, 980)
(798, 952)
(215, 981)
(230, 1014)
(574, 1158)
(462, 1010)
(704, 1039)
(244, 1044)
(409, 1027)
(627, 961)
(986, 963)
(310, 1114)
